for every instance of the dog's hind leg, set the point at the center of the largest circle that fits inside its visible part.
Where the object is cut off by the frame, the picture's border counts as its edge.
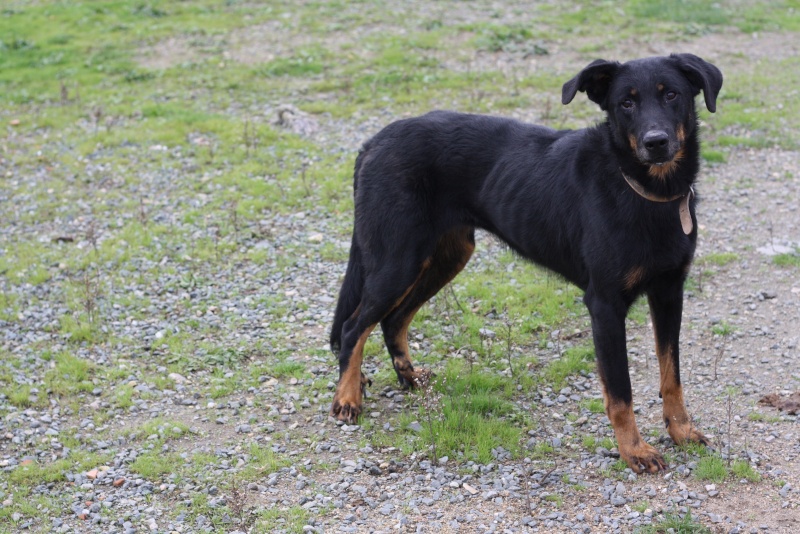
(666, 305)
(608, 330)
(383, 291)
(452, 253)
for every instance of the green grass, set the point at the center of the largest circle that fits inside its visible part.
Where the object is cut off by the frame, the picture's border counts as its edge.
(594, 405)
(262, 462)
(723, 328)
(574, 361)
(711, 468)
(168, 182)
(786, 260)
(719, 258)
(19, 395)
(154, 465)
(467, 414)
(38, 473)
(285, 519)
(672, 522)
(71, 374)
(742, 469)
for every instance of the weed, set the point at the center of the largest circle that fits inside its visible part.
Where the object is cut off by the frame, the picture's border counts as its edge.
(594, 405)
(720, 258)
(673, 522)
(786, 260)
(153, 465)
(723, 329)
(290, 520)
(742, 469)
(574, 361)
(711, 468)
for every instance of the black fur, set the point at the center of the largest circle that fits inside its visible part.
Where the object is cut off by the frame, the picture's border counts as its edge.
(558, 198)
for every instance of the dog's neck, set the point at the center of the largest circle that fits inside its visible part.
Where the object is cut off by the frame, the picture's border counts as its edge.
(683, 208)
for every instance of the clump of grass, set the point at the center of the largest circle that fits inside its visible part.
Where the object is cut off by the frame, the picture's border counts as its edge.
(20, 396)
(576, 360)
(472, 415)
(720, 258)
(36, 473)
(723, 328)
(711, 468)
(153, 465)
(673, 522)
(594, 405)
(786, 260)
(742, 469)
(290, 519)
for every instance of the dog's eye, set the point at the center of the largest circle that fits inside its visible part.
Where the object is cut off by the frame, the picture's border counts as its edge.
(627, 103)
(671, 95)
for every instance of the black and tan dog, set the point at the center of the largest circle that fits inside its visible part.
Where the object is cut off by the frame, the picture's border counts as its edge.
(610, 208)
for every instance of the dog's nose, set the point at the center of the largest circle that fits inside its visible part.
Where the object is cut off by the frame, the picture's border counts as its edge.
(656, 140)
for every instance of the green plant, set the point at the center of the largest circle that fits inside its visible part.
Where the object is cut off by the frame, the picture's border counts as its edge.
(575, 360)
(742, 469)
(672, 522)
(711, 468)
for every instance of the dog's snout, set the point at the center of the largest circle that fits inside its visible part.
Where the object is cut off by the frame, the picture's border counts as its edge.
(656, 140)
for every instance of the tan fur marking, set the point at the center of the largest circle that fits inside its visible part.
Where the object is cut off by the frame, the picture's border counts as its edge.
(634, 92)
(662, 172)
(660, 86)
(633, 143)
(349, 391)
(681, 134)
(425, 265)
(632, 448)
(401, 340)
(679, 424)
(634, 277)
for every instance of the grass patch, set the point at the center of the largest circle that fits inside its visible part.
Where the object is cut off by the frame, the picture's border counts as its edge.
(675, 523)
(575, 360)
(594, 405)
(720, 258)
(723, 328)
(465, 415)
(154, 465)
(290, 520)
(786, 260)
(71, 374)
(262, 461)
(683, 11)
(711, 468)
(35, 473)
(742, 469)
(20, 395)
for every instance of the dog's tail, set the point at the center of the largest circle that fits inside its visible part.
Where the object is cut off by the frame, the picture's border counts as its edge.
(353, 285)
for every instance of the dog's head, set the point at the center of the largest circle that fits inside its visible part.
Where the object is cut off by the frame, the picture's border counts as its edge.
(650, 102)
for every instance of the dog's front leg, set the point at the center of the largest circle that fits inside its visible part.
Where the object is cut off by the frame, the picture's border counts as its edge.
(608, 330)
(666, 306)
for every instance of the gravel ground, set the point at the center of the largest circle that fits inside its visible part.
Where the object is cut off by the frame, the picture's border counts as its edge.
(332, 472)
(748, 208)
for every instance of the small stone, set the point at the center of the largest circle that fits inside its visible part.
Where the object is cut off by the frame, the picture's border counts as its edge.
(177, 378)
(470, 489)
(415, 426)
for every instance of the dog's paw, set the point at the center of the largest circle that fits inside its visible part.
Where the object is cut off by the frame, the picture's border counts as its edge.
(346, 407)
(414, 379)
(683, 432)
(643, 457)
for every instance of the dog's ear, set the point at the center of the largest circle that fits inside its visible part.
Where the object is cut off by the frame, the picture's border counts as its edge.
(702, 75)
(594, 80)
